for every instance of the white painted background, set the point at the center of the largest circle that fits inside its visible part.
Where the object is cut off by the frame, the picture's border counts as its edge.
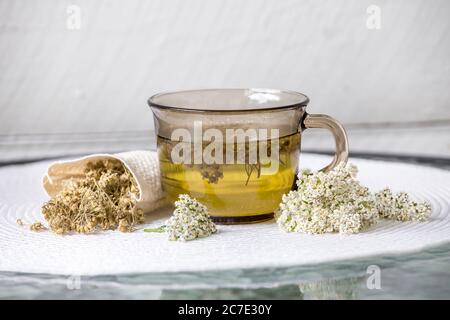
(66, 91)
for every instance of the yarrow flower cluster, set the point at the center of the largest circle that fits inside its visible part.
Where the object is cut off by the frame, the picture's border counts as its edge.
(190, 220)
(337, 202)
(399, 207)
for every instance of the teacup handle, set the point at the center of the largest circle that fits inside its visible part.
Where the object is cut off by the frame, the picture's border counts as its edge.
(338, 131)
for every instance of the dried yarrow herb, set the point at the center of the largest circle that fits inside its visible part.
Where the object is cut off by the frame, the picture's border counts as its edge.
(37, 226)
(337, 202)
(104, 199)
(212, 172)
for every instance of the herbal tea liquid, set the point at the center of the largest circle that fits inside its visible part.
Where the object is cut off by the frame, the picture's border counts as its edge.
(231, 190)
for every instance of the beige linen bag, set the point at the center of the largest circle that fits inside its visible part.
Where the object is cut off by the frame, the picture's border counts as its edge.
(143, 165)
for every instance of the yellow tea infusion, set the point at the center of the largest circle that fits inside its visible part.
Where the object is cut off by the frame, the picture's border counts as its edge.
(236, 189)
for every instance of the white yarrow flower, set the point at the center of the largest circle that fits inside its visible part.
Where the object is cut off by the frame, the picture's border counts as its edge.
(337, 202)
(190, 220)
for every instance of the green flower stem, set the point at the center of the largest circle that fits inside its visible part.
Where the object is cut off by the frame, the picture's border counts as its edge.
(159, 229)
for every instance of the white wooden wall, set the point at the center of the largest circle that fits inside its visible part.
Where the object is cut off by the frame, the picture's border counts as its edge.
(71, 91)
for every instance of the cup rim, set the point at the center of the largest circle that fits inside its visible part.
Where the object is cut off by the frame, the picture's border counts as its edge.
(303, 100)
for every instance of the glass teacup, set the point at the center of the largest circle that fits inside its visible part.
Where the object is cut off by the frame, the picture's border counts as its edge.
(235, 150)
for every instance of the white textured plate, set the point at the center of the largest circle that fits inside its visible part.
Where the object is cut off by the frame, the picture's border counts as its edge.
(242, 246)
